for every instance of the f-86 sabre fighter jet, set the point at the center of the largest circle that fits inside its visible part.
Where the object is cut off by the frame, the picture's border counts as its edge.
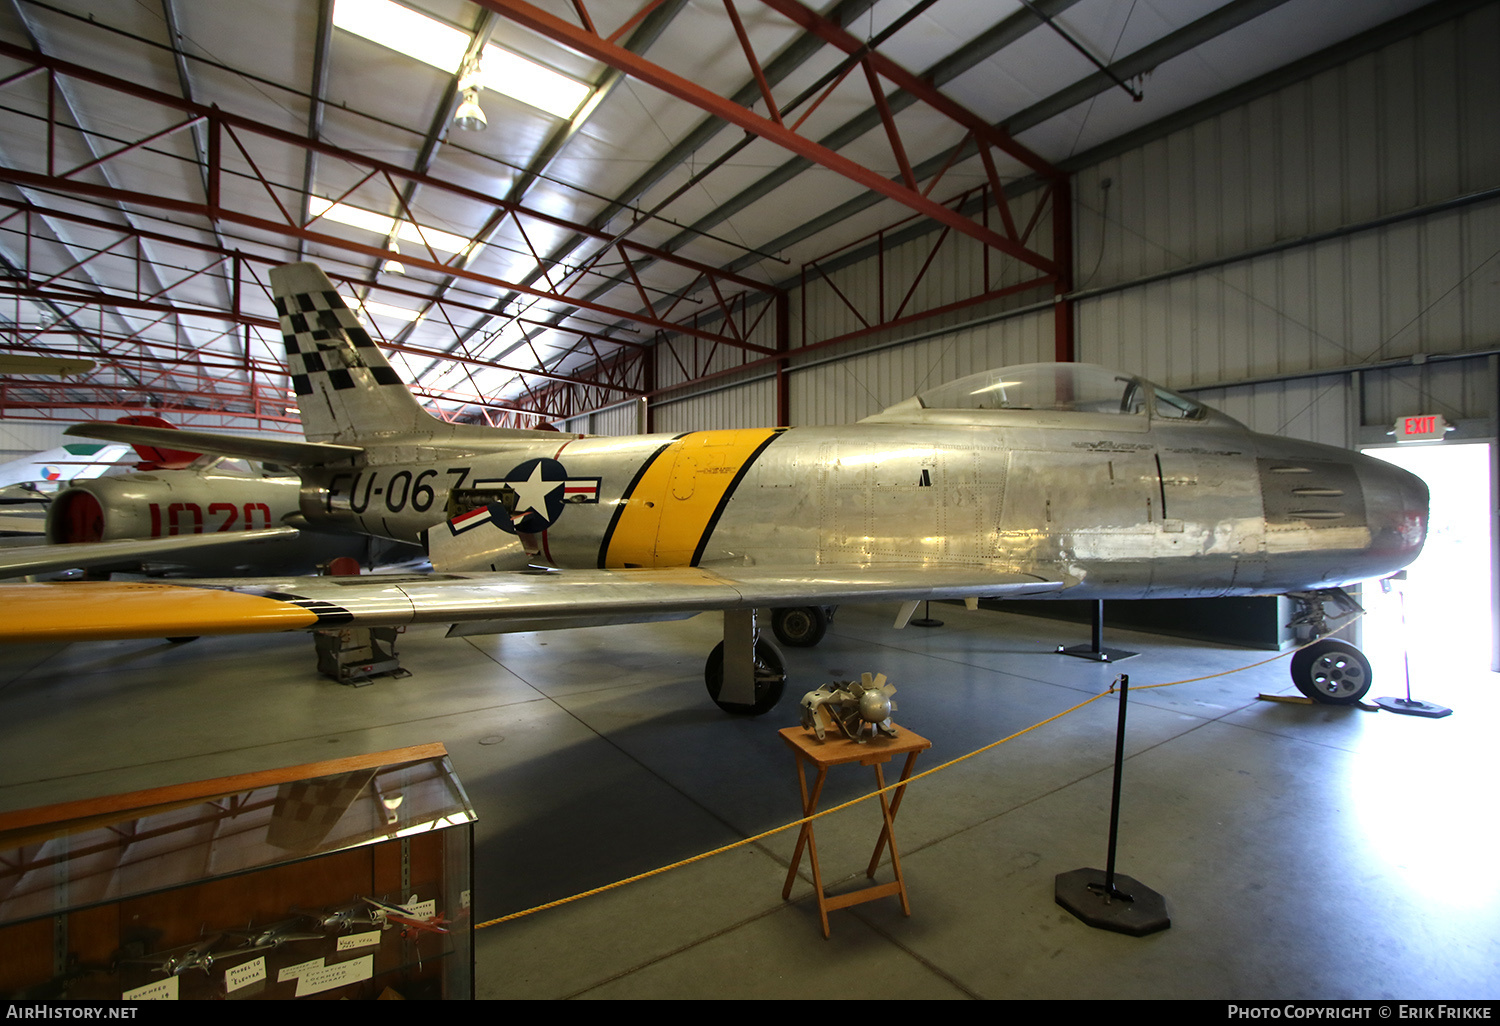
(1046, 480)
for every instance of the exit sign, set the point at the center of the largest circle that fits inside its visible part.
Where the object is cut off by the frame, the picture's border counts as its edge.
(1424, 428)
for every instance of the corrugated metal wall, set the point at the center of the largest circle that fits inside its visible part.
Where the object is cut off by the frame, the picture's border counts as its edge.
(1409, 125)
(841, 391)
(738, 406)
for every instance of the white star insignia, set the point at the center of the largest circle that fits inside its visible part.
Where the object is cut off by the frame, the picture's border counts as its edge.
(531, 494)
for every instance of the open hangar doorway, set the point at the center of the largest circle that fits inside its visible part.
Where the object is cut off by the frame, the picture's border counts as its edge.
(1446, 622)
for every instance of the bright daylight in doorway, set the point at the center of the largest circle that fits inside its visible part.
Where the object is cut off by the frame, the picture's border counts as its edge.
(1448, 595)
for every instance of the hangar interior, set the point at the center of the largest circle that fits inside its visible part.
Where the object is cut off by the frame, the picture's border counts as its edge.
(1285, 209)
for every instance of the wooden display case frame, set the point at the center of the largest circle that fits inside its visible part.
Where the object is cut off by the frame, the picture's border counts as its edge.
(97, 895)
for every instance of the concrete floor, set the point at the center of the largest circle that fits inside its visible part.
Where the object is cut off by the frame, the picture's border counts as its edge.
(1304, 852)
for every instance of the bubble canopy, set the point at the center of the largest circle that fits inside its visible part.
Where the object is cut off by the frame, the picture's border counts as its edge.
(1069, 387)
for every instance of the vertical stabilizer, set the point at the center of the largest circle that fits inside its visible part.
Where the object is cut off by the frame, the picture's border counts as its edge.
(346, 391)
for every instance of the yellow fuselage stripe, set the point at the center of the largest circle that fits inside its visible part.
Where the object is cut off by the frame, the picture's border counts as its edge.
(665, 518)
(94, 610)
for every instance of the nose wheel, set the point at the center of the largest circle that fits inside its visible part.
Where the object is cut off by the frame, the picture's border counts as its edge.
(1331, 672)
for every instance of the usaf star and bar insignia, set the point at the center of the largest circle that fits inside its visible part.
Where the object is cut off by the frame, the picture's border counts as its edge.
(528, 500)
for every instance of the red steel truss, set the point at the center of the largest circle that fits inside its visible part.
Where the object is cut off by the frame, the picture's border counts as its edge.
(877, 70)
(616, 261)
(735, 312)
(1043, 271)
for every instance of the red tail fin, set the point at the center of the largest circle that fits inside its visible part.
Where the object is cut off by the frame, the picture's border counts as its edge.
(156, 458)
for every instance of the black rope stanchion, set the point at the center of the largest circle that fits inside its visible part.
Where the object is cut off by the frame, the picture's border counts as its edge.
(1408, 706)
(1108, 900)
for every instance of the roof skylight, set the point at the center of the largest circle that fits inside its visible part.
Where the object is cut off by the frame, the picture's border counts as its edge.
(403, 30)
(433, 42)
(354, 217)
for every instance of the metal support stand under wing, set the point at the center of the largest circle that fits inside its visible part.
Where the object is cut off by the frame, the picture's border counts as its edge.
(1096, 651)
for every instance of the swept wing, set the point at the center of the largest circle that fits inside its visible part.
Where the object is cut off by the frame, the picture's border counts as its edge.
(100, 610)
(268, 450)
(41, 559)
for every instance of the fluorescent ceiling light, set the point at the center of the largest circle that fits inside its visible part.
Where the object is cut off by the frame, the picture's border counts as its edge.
(370, 221)
(532, 83)
(370, 308)
(441, 45)
(404, 30)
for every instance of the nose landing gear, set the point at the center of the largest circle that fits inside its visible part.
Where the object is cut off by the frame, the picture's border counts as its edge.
(1332, 671)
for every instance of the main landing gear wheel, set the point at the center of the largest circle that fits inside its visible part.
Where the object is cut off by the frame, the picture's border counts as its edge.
(770, 679)
(800, 626)
(1331, 672)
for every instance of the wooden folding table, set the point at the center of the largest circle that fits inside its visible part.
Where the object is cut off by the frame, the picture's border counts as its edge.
(836, 752)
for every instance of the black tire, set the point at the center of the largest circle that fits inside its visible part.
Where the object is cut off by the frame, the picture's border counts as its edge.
(1332, 672)
(770, 679)
(800, 626)
(185, 639)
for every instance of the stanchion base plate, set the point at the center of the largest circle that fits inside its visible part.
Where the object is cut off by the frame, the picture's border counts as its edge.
(1413, 707)
(1098, 655)
(1145, 912)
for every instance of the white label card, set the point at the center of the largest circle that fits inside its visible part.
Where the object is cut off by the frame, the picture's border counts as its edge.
(422, 909)
(163, 990)
(336, 975)
(293, 972)
(244, 974)
(360, 940)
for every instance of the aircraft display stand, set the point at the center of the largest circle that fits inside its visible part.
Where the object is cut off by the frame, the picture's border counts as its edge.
(926, 620)
(355, 655)
(807, 749)
(1096, 650)
(257, 886)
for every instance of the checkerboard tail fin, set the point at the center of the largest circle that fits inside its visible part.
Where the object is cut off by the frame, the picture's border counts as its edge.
(346, 391)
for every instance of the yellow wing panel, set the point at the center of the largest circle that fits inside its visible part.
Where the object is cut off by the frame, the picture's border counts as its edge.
(91, 610)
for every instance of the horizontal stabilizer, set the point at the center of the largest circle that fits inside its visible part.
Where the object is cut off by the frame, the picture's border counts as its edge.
(45, 559)
(269, 450)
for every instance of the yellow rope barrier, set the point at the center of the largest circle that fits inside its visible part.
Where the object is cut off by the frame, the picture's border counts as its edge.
(889, 787)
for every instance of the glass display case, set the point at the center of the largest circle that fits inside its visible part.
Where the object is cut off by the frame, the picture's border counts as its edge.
(340, 879)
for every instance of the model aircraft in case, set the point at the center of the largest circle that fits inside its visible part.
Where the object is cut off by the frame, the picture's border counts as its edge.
(1035, 481)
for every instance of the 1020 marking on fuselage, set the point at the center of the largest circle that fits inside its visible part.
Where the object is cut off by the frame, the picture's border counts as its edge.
(188, 517)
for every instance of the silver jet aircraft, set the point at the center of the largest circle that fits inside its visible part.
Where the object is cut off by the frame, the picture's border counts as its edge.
(1047, 480)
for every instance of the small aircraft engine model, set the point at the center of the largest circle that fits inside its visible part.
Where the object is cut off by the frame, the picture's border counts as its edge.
(851, 706)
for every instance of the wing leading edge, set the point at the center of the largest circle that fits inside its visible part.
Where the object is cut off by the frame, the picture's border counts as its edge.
(41, 559)
(105, 610)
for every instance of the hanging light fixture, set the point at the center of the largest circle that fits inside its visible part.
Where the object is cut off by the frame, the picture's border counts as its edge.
(393, 264)
(470, 116)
